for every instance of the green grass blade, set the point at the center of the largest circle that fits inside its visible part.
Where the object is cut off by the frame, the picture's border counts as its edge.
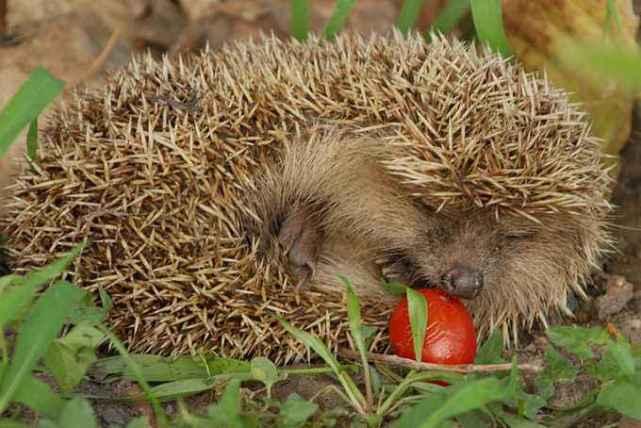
(299, 25)
(470, 396)
(137, 374)
(313, 343)
(408, 15)
(187, 387)
(44, 321)
(32, 140)
(319, 347)
(15, 298)
(356, 329)
(612, 18)
(450, 16)
(488, 21)
(33, 96)
(19, 292)
(54, 269)
(39, 397)
(10, 423)
(155, 368)
(490, 352)
(417, 307)
(337, 21)
(78, 413)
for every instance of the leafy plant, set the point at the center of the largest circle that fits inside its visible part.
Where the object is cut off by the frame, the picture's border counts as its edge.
(408, 15)
(40, 89)
(450, 16)
(299, 26)
(488, 21)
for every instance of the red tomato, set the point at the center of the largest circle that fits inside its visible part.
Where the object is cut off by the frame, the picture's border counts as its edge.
(450, 337)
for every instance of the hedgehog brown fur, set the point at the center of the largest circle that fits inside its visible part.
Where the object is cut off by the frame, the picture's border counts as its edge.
(231, 186)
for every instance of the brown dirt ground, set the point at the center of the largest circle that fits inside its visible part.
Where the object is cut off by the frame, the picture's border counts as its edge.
(70, 37)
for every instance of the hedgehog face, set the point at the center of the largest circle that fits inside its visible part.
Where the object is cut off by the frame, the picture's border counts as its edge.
(476, 256)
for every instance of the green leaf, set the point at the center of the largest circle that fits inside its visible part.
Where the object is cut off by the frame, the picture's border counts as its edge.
(46, 423)
(578, 340)
(18, 292)
(52, 270)
(105, 300)
(264, 371)
(527, 405)
(618, 361)
(137, 375)
(34, 95)
(417, 414)
(139, 422)
(450, 16)
(296, 411)
(513, 421)
(491, 352)
(299, 25)
(612, 18)
(469, 396)
(9, 423)
(369, 334)
(32, 140)
(354, 394)
(417, 307)
(41, 327)
(620, 353)
(230, 401)
(473, 419)
(6, 281)
(69, 357)
(356, 329)
(77, 413)
(227, 411)
(394, 288)
(155, 368)
(186, 387)
(408, 15)
(39, 397)
(337, 21)
(354, 316)
(488, 21)
(557, 369)
(16, 297)
(87, 312)
(314, 343)
(622, 396)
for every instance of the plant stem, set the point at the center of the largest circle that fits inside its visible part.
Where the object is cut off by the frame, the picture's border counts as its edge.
(402, 387)
(314, 370)
(458, 368)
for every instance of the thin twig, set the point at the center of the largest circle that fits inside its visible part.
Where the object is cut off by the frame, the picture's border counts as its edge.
(458, 368)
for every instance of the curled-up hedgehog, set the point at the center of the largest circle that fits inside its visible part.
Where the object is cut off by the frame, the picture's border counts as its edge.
(222, 189)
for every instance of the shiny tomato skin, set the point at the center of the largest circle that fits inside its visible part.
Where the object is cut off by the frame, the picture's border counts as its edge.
(450, 337)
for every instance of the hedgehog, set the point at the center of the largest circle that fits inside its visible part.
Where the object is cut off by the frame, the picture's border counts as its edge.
(223, 189)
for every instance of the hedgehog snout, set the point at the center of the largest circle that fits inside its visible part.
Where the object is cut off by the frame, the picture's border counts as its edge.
(462, 281)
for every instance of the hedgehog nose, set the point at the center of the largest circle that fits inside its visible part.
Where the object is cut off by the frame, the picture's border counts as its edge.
(463, 281)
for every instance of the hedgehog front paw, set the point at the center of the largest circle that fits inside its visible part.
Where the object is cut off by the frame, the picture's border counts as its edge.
(301, 241)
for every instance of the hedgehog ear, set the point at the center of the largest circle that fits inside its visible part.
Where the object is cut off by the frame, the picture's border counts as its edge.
(301, 239)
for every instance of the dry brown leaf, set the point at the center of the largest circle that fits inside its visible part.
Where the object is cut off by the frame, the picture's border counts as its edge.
(537, 31)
